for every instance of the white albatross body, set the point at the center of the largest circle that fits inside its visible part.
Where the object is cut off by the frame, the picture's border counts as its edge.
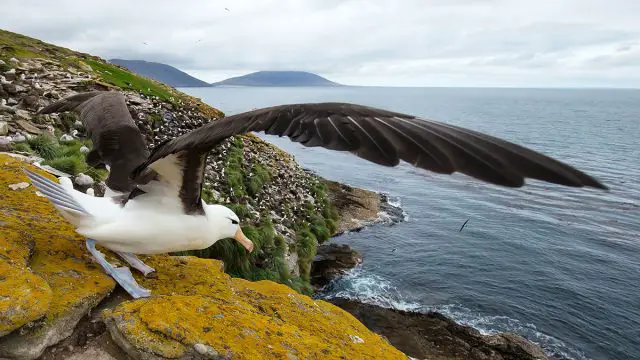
(150, 224)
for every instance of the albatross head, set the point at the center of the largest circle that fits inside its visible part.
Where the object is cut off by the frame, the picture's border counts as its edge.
(227, 224)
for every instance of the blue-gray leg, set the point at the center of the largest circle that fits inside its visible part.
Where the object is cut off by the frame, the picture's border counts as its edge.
(122, 275)
(136, 263)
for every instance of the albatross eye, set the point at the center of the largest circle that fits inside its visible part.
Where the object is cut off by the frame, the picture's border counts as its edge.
(234, 222)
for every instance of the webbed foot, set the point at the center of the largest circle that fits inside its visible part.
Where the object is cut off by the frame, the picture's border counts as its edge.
(136, 263)
(122, 275)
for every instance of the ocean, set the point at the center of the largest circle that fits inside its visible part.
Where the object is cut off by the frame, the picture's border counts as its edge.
(558, 265)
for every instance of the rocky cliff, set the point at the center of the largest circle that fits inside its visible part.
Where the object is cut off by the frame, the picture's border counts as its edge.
(285, 210)
(49, 283)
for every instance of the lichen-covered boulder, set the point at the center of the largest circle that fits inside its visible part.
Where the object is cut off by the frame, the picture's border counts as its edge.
(197, 311)
(47, 280)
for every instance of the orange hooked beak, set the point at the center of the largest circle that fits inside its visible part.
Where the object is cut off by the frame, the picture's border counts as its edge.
(248, 244)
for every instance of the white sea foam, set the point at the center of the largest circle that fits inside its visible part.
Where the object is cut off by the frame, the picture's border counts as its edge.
(366, 287)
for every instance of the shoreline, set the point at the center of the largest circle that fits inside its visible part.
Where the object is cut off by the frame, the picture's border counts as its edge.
(420, 335)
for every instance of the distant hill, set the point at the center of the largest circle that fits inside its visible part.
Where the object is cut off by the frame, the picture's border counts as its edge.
(277, 78)
(160, 72)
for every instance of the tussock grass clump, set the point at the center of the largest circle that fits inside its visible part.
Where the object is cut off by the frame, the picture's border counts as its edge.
(23, 147)
(258, 178)
(72, 165)
(45, 146)
(64, 156)
(233, 168)
(307, 247)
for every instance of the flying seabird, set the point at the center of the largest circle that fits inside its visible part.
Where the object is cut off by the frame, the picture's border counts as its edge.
(165, 211)
(117, 141)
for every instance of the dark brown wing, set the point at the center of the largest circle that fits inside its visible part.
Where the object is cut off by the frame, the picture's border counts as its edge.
(117, 141)
(385, 138)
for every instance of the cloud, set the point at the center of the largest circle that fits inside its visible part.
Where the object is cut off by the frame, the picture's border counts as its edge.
(387, 42)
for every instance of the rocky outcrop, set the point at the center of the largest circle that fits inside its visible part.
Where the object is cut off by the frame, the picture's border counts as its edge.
(255, 178)
(434, 336)
(47, 281)
(359, 208)
(49, 285)
(332, 260)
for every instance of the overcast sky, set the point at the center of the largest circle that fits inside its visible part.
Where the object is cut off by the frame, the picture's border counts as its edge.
(571, 43)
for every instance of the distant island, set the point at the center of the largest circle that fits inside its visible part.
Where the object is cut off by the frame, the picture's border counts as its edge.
(177, 78)
(277, 78)
(161, 72)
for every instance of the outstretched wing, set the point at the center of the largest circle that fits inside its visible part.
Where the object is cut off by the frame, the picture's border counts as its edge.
(385, 137)
(117, 141)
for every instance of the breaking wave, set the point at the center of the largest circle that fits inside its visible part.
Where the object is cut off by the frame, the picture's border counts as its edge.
(361, 285)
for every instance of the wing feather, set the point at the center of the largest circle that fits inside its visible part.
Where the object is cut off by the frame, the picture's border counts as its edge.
(385, 137)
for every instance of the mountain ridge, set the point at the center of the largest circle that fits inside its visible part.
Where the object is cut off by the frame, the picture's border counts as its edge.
(277, 78)
(164, 73)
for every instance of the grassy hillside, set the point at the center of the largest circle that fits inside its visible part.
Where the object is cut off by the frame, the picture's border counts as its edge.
(246, 174)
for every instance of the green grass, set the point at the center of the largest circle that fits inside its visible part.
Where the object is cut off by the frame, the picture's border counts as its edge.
(67, 121)
(23, 147)
(65, 156)
(234, 168)
(259, 177)
(126, 80)
(155, 119)
(45, 146)
(72, 165)
(307, 246)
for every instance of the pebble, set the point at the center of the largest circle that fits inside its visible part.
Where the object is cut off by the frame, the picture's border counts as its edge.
(84, 150)
(19, 186)
(18, 138)
(83, 180)
(206, 350)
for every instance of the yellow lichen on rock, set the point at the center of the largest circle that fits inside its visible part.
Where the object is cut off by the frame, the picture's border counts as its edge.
(24, 297)
(42, 255)
(194, 304)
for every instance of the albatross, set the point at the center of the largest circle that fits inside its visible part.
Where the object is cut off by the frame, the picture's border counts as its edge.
(164, 211)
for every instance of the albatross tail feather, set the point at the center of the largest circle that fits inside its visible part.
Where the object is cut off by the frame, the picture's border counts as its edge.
(59, 196)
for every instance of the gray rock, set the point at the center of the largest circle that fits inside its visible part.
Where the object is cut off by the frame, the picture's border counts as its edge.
(23, 114)
(12, 101)
(10, 88)
(83, 180)
(18, 138)
(14, 60)
(84, 150)
(20, 89)
(27, 125)
(4, 128)
(5, 143)
(7, 109)
(31, 343)
(2, 62)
